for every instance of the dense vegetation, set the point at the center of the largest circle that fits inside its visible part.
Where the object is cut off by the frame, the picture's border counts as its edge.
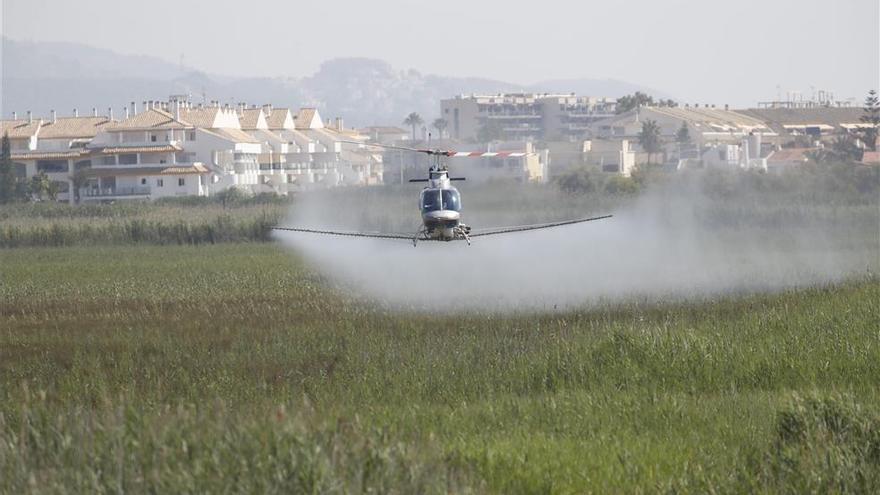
(135, 356)
(179, 222)
(812, 190)
(236, 368)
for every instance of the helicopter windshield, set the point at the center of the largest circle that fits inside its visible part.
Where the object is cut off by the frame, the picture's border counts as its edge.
(440, 199)
(451, 200)
(431, 200)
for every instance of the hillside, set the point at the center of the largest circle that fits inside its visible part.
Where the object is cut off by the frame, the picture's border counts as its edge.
(42, 76)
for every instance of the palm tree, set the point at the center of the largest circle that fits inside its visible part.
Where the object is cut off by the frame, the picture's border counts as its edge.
(649, 138)
(440, 125)
(413, 120)
(871, 117)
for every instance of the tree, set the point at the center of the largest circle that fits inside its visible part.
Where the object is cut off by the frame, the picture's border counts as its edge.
(79, 179)
(576, 181)
(639, 99)
(683, 136)
(7, 174)
(871, 117)
(413, 120)
(490, 131)
(633, 101)
(440, 125)
(649, 138)
(844, 148)
(43, 187)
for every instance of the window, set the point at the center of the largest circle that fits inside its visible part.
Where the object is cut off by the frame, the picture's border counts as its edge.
(430, 200)
(51, 166)
(152, 138)
(144, 182)
(192, 135)
(181, 182)
(108, 160)
(160, 183)
(128, 159)
(451, 200)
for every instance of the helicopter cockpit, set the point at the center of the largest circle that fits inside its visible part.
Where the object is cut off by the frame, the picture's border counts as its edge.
(440, 199)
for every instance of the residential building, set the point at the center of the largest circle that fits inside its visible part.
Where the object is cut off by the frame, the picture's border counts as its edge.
(385, 135)
(809, 124)
(55, 147)
(787, 158)
(301, 152)
(705, 125)
(523, 116)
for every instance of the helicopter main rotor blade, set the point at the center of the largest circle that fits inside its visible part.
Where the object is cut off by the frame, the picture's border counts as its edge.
(446, 153)
(393, 147)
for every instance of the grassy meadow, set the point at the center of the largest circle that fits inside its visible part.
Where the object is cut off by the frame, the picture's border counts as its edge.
(172, 348)
(238, 368)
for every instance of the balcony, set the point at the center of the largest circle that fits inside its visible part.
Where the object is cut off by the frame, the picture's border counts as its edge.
(513, 116)
(114, 192)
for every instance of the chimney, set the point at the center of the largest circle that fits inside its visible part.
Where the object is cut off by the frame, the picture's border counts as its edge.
(726, 106)
(75, 112)
(177, 110)
(145, 105)
(94, 111)
(14, 115)
(127, 113)
(110, 113)
(30, 117)
(338, 123)
(54, 116)
(134, 108)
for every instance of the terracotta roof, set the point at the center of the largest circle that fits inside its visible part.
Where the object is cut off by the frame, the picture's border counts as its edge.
(305, 118)
(297, 137)
(871, 157)
(382, 130)
(153, 118)
(73, 127)
(48, 155)
(160, 148)
(253, 118)
(790, 155)
(195, 169)
(19, 128)
(710, 116)
(778, 118)
(234, 135)
(262, 135)
(279, 118)
(200, 117)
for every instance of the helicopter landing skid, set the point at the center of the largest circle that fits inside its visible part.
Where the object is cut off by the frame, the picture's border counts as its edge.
(459, 233)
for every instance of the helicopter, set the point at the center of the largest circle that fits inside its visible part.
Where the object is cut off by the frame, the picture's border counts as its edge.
(440, 204)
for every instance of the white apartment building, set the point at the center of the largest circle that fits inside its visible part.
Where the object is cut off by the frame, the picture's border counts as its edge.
(523, 116)
(171, 150)
(55, 147)
(300, 152)
(177, 149)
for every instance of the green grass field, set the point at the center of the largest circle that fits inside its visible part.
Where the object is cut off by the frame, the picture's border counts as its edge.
(238, 368)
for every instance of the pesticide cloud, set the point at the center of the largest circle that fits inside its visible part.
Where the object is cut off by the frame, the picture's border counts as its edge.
(680, 242)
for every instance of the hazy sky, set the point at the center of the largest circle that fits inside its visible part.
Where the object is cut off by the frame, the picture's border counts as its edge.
(710, 51)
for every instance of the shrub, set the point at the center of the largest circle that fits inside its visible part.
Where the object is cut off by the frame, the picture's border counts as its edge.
(822, 445)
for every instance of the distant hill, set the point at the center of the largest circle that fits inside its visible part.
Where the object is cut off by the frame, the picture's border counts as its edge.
(42, 76)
